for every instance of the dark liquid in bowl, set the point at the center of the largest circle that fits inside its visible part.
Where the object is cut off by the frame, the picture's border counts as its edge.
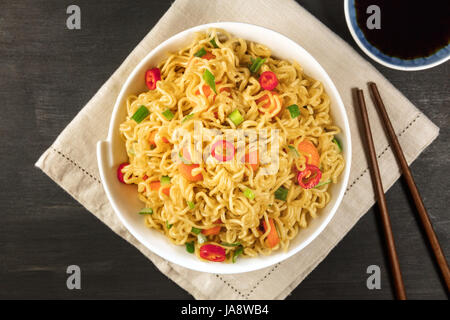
(410, 29)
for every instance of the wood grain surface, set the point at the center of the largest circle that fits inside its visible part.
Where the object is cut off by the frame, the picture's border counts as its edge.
(47, 74)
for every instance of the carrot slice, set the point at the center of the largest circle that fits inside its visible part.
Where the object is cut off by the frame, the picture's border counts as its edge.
(225, 89)
(151, 139)
(253, 154)
(269, 107)
(166, 191)
(155, 185)
(307, 148)
(186, 171)
(207, 91)
(152, 136)
(212, 231)
(165, 140)
(272, 238)
(208, 56)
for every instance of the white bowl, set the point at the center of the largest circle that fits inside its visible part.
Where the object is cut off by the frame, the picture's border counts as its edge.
(124, 198)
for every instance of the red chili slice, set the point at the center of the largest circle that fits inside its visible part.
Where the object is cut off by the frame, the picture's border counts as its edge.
(152, 76)
(120, 173)
(212, 252)
(309, 177)
(268, 80)
(223, 150)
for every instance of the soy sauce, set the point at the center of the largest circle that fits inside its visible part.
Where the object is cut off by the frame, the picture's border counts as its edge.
(410, 29)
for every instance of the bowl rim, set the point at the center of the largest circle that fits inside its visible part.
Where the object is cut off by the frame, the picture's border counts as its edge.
(207, 267)
(385, 63)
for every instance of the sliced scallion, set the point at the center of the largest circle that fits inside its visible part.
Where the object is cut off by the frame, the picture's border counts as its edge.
(146, 211)
(294, 151)
(226, 244)
(237, 253)
(196, 230)
(140, 114)
(281, 193)
(190, 247)
(256, 64)
(200, 53)
(338, 143)
(210, 80)
(236, 117)
(165, 180)
(201, 238)
(191, 205)
(188, 117)
(168, 225)
(294, 111)
(322, 183)
(249, 194)
(168, 114)
(213, 43)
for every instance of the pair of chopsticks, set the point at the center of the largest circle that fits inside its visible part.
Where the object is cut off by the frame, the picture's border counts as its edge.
(424, 218)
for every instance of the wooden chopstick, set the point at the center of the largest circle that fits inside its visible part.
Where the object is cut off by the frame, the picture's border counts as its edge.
(392, 252)
(424, 218)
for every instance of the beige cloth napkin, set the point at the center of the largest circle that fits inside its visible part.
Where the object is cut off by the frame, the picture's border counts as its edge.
(71, 160)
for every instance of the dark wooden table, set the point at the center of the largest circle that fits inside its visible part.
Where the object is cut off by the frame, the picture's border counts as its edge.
(47, 74)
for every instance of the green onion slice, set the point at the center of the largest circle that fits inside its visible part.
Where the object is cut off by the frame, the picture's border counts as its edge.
(191, 204)
(188, 117)
(168, 114)
(190, 247)
(213, 42)
(226, 244)
(237, 253)
(249, 194)
(294, 151)
(338, 143)
(200, 53)
(294, 111)
(236, 117)
(201, 238)
(210, 80)
(322, 183)
(196, 230)
(146, 211)
(140, 114)
(256, 64)
(281, 193)
(165, 180)
(168, 225)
